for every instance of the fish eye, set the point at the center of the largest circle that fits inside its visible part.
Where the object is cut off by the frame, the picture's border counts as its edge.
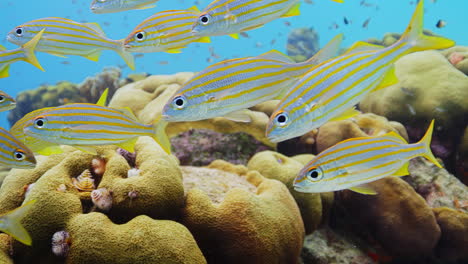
(179, 102)
(19, 31)
(140, 36)
(39, 122)
(281, 119)
(314, 174)
(204, 19)
(2, 98)
(19, 155)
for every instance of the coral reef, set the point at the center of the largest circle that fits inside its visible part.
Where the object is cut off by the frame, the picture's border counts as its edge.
(398, 218)
(429, 87)
(279, 167)
(302, 44)
(147, 97)
(239, 228)
(458, 57)
(201, 147)
(454, 240)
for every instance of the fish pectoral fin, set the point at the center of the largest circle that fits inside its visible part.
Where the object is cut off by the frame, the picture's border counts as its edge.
(403, 171)
(128, 145)
(103, 99)
(176, 50)
(93, 56)
(363, 189)
(194, 9)
(346, 114)
(234, 35)
(57, 54)
(362, 46)
(86, 149)
(5, 72)
(276, 55)
(96, 27)
(13, 225)
(128, 112)
(239, 116)
(389, 79)
(204, 40)
(146, 7)
(294, 11)
(50, 150)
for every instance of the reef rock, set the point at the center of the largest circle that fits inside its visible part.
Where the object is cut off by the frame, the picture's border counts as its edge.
(246, 218)
(398, 218)
(454, 240)
(276, 166)
(147, 97)
(303, 43)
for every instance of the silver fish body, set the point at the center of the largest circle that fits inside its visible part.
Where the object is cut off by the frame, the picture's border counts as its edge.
(114, 6)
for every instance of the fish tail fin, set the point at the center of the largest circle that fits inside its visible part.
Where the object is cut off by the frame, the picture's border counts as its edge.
(126, 56)
(160, 135)
(13, 226)
(29, 49)
(426, 141)
(415, 37)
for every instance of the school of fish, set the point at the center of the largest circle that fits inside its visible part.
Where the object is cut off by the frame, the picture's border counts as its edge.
(326, 87)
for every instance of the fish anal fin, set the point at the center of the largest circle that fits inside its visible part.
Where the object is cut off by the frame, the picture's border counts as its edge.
(403, 171)
(128, 145)
(204, 40)
(86, 149)
(294, 11)
(239, 116)
(363, 189)
(389, 79)
(234, 35)
(4, 72)
(176, 50)
(103, 99)
(346, 114)
(93, 56)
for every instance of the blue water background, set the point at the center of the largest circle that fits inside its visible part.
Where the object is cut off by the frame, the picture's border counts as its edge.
(385, 16)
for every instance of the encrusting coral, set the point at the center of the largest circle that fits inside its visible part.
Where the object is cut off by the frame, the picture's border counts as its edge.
(236, 227)
(276, 166)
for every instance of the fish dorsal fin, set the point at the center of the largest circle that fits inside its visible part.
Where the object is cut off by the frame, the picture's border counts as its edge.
(103, 99)
(239, 116)
(96, 27)
(294, 11)
(362, 46)
(388, 80)
(128, 112)
(57, 54)
(276, 55)
(403, 171)
(93, 56)
(2, 48)
(194, 9)
(395, 136)
(328, 51)
(351, 112)
(363, 189)
(128, 145)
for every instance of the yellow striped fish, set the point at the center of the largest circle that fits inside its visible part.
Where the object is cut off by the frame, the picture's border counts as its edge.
(66, 37)
(167, 31)
(84, 126)
(229, 87)
(330, 90)
(113, 6)
(25, 53)
(13, 153)
(10, 223)
(37, 145)
(230, 17)
(6, 102)
(352, 163)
